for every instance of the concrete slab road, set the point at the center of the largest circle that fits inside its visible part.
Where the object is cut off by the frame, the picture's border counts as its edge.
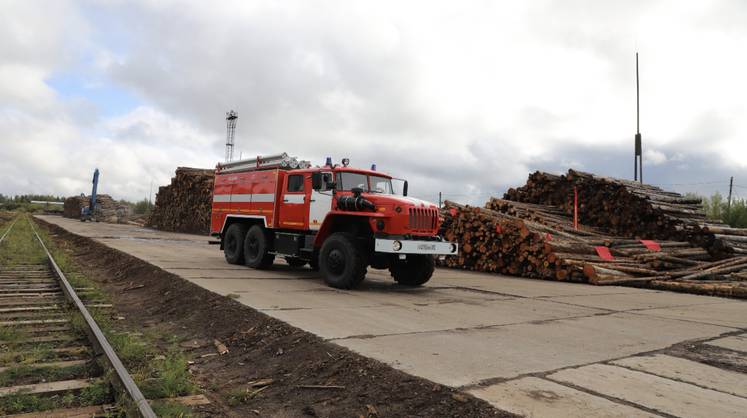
(533, 347)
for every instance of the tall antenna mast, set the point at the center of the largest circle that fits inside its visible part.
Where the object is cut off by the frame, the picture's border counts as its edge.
(231, 117)
(638, 158)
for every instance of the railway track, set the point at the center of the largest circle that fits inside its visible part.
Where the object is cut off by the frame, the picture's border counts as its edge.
(50, 344)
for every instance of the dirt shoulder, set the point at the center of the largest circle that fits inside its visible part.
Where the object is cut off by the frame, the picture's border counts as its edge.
(271, 369)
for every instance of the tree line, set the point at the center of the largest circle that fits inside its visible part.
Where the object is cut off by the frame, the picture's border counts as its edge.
(716, 207)
(24, 202)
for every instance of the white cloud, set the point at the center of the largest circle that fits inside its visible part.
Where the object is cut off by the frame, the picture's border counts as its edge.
(456, 96)
(652, 156)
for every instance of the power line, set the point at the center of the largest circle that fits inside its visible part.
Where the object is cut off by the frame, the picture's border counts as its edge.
(692, 184)
(446, 195)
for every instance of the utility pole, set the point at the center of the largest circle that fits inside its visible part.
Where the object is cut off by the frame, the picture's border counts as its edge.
(638, 158)
(439, 200)
(728, 202)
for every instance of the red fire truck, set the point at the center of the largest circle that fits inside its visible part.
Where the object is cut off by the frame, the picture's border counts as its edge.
(336, 218)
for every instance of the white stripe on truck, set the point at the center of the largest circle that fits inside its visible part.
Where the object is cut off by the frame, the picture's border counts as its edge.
(245, 198)
(263, 197)
(294, 198)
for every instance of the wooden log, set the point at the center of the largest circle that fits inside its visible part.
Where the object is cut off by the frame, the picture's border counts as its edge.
(185, 205)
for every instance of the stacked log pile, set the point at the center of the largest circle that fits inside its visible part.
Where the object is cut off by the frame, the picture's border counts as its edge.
(630, 209)
(541, 242)
(185, 204)
(106, 210)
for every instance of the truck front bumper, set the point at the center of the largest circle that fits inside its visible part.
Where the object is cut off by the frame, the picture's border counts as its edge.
(394, 246)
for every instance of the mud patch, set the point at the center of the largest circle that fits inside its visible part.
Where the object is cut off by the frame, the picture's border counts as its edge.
(711, 355)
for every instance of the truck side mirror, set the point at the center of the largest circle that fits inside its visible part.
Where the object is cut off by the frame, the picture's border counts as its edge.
(316, 180)
(404, 189)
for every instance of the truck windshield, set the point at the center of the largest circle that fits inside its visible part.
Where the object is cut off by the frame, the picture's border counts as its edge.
(348, 181)
(380, 184)
(375, 184)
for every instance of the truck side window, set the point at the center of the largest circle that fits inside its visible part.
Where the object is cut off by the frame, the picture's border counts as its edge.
(295, 183)
(327, 181)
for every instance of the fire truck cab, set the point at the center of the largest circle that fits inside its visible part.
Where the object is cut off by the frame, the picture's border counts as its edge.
(336, 218)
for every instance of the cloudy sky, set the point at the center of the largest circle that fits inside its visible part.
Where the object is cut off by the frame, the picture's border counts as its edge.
(462, 97)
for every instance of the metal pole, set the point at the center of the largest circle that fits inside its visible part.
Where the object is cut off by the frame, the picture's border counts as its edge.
(439, 200)
(638, 163)
(637, 98)
(575, 208)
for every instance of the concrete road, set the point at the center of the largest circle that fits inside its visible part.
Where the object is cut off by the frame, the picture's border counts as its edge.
(533, 347)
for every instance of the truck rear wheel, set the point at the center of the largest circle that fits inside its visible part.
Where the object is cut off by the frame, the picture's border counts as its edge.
(256, 249)
(342, 261)
(415, 270)
(233, 243)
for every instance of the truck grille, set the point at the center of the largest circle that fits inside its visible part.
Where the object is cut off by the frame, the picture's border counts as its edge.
(423, 220)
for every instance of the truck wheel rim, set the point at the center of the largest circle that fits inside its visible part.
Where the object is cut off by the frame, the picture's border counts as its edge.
(336, 261)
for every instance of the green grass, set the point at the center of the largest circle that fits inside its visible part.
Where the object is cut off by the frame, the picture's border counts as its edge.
(159, 374)
(167, 378)
(97, 394)
(20, 245)
(237, 396)
(241, 395)
(49, 374)
(8, 334)
(38, 353)
(157, 377)
(171, 410)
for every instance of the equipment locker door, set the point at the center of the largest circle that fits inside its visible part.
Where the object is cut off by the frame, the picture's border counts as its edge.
(293, 206)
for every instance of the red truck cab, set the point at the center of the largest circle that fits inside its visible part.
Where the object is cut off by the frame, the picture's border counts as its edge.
(336, 218)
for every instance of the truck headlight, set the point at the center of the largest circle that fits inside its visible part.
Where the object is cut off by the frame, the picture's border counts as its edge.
(396, 245)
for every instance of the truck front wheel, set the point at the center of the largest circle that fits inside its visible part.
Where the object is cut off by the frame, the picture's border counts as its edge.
(256, 249)
(342, 261)
(233, 243)
(415, 270)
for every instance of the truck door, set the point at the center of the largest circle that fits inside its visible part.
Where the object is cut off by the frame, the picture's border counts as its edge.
(321, 202)
(293, 207)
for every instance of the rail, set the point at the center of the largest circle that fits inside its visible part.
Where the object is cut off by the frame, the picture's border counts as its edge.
(124, 378)
(7, 230)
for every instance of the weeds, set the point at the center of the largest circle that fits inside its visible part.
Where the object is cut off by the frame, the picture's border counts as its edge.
(97, 394)
(241, 395)
(10, 335)
(20, 245)
(169, 378)
(34, 374)
(171, 410)
(158, 376)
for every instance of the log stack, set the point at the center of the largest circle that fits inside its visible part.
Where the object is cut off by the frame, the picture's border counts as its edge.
(185, 204)
(107, 209)
(541, 242)
(630, 209)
